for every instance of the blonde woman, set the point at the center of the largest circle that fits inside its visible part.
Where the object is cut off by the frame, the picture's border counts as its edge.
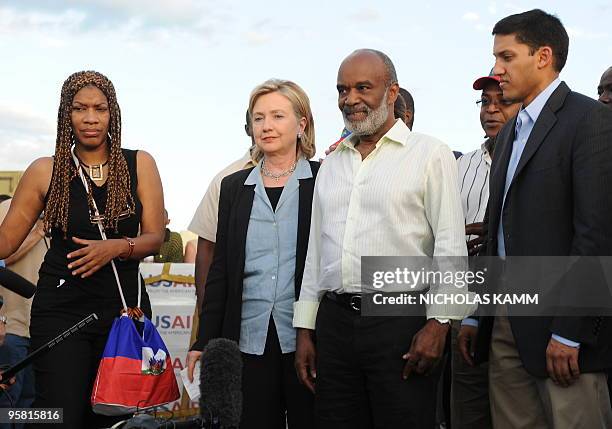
(262, 238)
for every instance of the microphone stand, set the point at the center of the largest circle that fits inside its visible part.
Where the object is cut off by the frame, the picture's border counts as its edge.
(10, 373)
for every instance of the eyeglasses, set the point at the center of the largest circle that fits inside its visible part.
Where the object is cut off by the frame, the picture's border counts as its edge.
(485, 102)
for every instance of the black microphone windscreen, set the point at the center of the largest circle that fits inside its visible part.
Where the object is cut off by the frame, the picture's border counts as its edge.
(221, 382)
(16, 283)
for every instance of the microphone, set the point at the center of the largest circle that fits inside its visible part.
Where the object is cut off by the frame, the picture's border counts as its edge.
(221, 384)
(9, 373)
(16, 283)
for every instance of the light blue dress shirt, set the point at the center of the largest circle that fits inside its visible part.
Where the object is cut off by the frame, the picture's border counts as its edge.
(525, 121)
(269, 268)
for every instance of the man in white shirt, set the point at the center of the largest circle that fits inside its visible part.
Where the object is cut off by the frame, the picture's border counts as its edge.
(385, 191)
(204, 222)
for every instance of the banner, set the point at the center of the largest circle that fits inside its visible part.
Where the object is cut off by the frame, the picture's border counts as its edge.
(171, 288)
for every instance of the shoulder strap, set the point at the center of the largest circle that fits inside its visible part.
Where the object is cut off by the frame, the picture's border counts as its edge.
(103, 234)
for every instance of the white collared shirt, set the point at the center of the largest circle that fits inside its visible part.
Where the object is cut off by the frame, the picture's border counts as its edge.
(474, 170)
(401, 200)
(204, 222)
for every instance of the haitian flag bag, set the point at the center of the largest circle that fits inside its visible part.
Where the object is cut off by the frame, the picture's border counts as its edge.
(136, 370)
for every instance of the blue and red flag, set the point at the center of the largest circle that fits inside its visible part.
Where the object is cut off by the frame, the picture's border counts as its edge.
(135, 371)
(345, 133)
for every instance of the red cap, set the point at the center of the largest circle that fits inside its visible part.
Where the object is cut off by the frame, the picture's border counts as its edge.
(482, 81)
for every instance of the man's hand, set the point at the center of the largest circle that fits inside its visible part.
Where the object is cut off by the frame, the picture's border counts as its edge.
(2, 332)
(331, 148)
(94, 255)
(475, 245)
(562, 363)
(193, 356)
(426, 348)
(305, 355)
(466, 340)
(5, 385)
(476, 228)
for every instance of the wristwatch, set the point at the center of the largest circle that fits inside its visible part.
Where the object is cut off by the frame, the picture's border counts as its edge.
(3, 319)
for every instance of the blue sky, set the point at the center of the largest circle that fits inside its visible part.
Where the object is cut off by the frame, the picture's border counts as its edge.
(183, 69)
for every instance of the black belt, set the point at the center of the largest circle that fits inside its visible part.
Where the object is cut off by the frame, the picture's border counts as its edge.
(350, 301)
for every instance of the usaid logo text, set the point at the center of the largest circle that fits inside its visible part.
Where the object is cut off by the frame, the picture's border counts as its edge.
(173, 322)
(170, 284)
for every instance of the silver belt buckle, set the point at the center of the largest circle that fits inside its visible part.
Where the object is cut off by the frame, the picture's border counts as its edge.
(356, 302)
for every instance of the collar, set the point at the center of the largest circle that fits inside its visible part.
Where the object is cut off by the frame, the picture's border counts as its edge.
(247, 161)
(302, 171)
(486, 150)
(535, 107)
(398, 133)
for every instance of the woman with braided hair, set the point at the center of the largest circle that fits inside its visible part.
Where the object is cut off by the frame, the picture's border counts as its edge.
(76, 277)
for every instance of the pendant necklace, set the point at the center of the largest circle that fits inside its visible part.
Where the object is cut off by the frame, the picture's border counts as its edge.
(276, 176)
(96, 172)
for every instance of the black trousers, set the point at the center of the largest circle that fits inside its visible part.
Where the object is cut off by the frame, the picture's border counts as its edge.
(359, 372)
(64, 376)
(272, 396)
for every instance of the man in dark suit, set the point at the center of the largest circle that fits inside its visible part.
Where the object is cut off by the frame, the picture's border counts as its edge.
(604, 89)
(549, 196)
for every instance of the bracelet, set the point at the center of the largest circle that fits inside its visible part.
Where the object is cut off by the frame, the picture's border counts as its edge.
(3, 319)
(132, 245)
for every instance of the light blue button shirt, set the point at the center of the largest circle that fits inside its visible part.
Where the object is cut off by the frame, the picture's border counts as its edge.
(525, 121)
(269, 268)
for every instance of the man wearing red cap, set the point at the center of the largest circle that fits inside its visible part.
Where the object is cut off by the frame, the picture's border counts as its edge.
(470, 392)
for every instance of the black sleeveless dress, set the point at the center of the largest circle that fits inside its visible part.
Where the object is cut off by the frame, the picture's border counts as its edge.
(63, 299)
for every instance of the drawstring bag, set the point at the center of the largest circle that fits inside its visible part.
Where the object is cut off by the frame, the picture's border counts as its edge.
(136, 370)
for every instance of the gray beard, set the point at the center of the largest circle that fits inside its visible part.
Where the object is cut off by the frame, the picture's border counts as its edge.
(372, 123)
